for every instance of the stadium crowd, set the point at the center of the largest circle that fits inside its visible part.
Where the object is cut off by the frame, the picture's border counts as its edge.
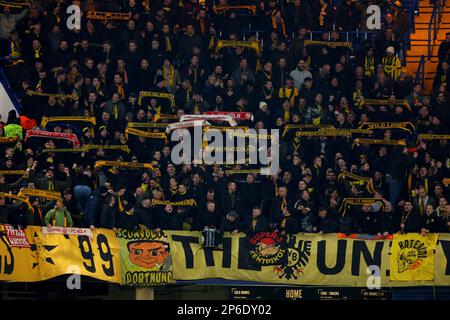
(171, 47)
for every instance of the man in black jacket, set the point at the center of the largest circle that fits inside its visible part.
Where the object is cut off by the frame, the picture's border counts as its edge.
(409, 219)
(326, 222)
(170, 219)
(278, 205)
(250, 194)
(144, 213)
(209, 217)
(366, 220)
(385, 221)
(289, 223)
(232, 200)
(108, 216)
(430, 222)
(256, 222)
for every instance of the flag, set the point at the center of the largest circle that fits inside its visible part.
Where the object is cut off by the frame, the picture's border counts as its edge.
(412, 257)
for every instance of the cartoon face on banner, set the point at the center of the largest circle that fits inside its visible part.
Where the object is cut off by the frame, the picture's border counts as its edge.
(148, 254)
(145, 258)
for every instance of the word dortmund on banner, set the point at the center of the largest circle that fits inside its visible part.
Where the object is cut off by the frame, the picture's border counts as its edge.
(145, 258)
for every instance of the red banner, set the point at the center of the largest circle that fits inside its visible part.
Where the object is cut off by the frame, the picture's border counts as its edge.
(55, 135)
(16, 237)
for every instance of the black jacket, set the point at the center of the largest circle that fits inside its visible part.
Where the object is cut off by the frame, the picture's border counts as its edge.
(328, 224)
(170, 221)
(108, 217)
(228, 226)
(431, 222)
(144, 216)
(208, 219)
(233, 202)
(411, 221)
(262, 224)
(290, 226)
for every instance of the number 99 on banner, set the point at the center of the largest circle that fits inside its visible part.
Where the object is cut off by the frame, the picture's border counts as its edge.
(96, 254)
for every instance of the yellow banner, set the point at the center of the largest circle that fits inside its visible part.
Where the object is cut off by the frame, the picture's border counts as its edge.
(163, 116)
(46, 120)
(145, 134)
(434, 136)
(17, 197)
(146, 125)
(72, 96)
(104, 163)
(120, 147)
(412, 257)
(304, 126)
(98, 15)
(188, 202)
(231, 172)
(55, 254)
(387, 102)
(62, 150)
(50, 195)
(221, 8)
(379, 141)
(246, 44)
(154, 94)
(406, 126)
(12, 172)
(312, 260)
(331, 132)
(301, 259)
(331, 44)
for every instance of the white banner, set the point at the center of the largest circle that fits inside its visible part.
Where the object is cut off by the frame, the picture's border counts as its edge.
(64, 230)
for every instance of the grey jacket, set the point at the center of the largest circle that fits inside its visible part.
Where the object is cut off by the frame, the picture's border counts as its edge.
(8, 23)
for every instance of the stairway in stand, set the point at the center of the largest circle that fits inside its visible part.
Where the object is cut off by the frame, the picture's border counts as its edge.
(419, 43)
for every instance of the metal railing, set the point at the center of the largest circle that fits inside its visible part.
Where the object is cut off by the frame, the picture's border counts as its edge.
(434, 24)
(420, 73)
(412, 7)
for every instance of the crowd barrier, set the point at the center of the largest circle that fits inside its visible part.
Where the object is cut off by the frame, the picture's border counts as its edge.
(148, 258)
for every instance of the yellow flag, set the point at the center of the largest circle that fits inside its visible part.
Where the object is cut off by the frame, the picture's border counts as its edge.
(412, 257)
